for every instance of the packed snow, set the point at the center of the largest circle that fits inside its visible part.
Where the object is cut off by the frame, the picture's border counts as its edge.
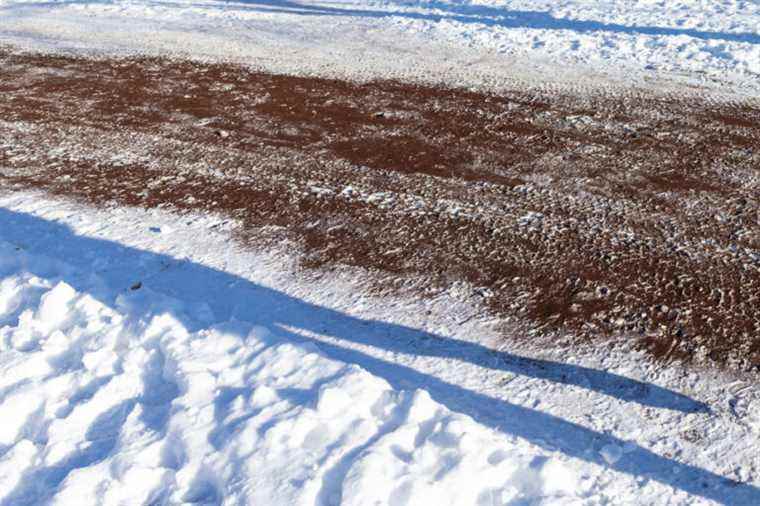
(464, 40)
(146, 360)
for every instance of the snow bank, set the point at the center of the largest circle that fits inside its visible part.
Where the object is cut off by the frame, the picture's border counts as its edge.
(126, 396)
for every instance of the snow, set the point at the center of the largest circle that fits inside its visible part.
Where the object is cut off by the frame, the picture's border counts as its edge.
(119, 395)
(145, 359)
(467, 41)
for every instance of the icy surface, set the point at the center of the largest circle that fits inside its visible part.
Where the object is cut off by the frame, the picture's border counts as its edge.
(465, 40)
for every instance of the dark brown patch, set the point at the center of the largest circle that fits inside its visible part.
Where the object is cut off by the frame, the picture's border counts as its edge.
(645, 213)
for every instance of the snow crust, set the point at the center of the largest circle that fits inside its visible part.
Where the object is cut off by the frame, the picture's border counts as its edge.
(462, 41)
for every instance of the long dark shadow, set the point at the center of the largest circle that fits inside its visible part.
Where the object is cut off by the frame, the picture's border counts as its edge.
(494, 16)
(554, 433)
(490, 16)
(231, 296)
(282, 309)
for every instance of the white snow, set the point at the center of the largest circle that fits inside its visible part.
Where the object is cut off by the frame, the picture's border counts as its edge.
(114, 395)
(467, 41)
(226, 379)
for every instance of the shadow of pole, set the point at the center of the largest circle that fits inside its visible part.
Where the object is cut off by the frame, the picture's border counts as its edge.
(553, 433)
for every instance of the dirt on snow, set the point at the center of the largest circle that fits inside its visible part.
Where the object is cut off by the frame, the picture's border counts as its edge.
(583, 215)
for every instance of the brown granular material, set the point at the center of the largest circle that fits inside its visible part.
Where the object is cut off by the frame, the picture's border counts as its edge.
(588, 215)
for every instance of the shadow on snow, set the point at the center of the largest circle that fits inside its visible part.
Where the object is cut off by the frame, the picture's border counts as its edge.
(493, 16)
(232, 297)
(435, 11)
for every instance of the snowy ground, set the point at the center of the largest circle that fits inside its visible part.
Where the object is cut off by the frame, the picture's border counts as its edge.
(143, 364)
(145, 360)
(115, 394)
(477, 41)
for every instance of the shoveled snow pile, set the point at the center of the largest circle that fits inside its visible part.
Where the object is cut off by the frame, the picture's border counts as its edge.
(126, 395)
